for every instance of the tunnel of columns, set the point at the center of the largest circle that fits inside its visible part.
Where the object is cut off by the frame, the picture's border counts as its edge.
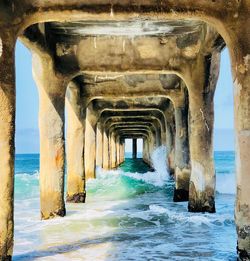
(139, 70)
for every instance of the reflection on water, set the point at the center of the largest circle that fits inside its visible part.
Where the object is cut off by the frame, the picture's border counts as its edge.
(128, 216)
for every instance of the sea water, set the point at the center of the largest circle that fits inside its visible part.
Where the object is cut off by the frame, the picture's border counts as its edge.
(129, 215)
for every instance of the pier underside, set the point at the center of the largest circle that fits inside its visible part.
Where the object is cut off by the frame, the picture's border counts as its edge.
(132, 70)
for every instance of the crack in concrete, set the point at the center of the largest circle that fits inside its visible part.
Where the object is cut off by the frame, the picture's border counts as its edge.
(203, 117)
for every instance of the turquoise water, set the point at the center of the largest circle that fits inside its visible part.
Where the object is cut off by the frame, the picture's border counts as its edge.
(129, 215)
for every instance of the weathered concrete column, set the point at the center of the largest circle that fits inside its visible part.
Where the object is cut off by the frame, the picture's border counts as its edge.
(122, 151)
(158, 141)
(169, 145)
(7, 142)
(201, 84)
(113, 150)
(90, 143)
(109, 150)
(150, 148)
(99, 145)
(118, 162)
(52, 88)
(170, 138)
(145, 157)
(75, 145)
(105, 163)
(240, 56)
(182, 168)
(152, 144)
(134, 148)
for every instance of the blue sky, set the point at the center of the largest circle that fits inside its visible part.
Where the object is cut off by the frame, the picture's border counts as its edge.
(27, 134)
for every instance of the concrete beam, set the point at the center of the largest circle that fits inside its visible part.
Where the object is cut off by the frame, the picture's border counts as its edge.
(32, 12)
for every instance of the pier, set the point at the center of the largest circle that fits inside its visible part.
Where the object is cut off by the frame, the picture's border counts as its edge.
(125, 70)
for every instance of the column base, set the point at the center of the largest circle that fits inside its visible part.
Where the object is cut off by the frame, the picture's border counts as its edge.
(201, 201)
(180, 195)
(59, 213)
(171, 172)
(202, 207)
(243, 255)
(147, 162)
(5, 258)
(77, 198)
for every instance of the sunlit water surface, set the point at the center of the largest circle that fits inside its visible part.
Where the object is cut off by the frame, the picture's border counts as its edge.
(129, 215)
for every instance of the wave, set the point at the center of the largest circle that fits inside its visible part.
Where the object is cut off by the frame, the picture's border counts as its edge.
(118, 184)
(193, 218)
(27, 185)
(160, 176)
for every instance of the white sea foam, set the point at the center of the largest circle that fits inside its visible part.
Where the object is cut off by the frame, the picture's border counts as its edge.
(27, 176)
(159, 157)
(160, 176)
(192, 218)
(158, 209)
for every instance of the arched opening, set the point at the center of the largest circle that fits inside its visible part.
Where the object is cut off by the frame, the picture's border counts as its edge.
(26, 144)
(224, 147)
(205, 123)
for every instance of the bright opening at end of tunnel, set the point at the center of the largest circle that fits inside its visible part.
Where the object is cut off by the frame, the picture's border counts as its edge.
(129, 148)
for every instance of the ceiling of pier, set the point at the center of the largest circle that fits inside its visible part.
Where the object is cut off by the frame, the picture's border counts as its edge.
(137, 27)
(131, 103)
(111, 83)
(124, 46)
(132, 64)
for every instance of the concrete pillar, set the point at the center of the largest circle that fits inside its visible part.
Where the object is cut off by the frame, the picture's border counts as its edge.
(144, 151)
(99, 145)
(118, 162)
(146, 148)
(7, 143)
(90, 143)
(120, 148)
(202, 83)
(134, 148)
(113, 150)
(158, 138)
(152, 144)
(122, 151)
(164, 134)
(110, 150)
(75, 145)
(169, 145)
(182, 168)
(240, 56)
(105, 163)
(52, 88)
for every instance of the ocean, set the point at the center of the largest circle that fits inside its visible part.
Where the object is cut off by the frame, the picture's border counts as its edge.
(129, 215)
